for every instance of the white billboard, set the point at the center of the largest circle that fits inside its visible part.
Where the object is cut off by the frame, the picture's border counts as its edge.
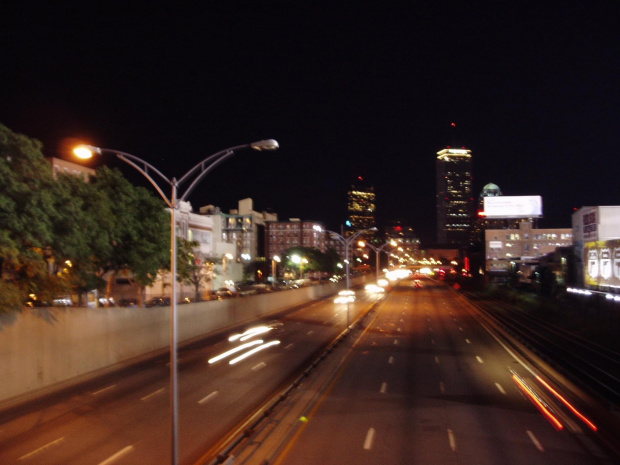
(513, 206)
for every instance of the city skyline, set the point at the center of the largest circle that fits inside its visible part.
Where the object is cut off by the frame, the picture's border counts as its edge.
(346, 92)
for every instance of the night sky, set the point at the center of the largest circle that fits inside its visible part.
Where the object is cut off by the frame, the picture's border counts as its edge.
(347, 91)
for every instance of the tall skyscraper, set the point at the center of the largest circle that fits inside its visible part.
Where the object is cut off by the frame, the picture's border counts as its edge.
(455, 203)
(361, 207)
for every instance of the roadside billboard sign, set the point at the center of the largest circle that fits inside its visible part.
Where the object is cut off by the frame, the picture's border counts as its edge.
(513, 206)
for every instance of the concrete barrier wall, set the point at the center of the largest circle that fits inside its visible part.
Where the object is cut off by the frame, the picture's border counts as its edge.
(45, 349)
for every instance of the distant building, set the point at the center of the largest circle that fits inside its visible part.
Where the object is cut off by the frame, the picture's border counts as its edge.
(239, 238)
(406, 238)
(597, 247)
(455, 205)
(282, 235)
(361, 207)
(507, 248)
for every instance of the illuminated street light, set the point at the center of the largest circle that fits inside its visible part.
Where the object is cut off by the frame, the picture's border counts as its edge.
(200, 170)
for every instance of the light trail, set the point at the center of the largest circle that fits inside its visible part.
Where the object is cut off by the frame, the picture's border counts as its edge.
(543, 409)
(235, 350)
(253, 351)
(568, 404)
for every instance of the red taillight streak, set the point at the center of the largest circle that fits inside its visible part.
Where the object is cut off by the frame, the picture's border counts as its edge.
(554, 421)
(568, 404)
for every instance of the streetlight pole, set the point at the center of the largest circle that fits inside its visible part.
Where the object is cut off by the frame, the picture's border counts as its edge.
(201, 169)
(378, 251)
(274, 268)
(347, 243)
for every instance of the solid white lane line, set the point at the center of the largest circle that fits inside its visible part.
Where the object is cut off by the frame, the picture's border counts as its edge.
(391, 360)
(535, 441)
(116, 456)
(96, 393)
(500, 388)
(383, 388)
(479, 359)
(208, 398)
(153, 394)
(369, 437)
(452, 440)
(42, 448)
(259, 366)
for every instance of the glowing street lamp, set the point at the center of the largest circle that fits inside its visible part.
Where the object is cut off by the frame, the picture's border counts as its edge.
(200, 170)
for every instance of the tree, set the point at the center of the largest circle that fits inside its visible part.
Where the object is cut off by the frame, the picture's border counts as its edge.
(135, 229)
(316, 260)
(192, 269)
(25, 217)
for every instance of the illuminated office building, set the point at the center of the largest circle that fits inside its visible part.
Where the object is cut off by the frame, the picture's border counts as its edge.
(455, 203)
(361, 207)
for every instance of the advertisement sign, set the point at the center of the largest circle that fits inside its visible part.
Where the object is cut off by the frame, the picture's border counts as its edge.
(602, 263)
(513, 206)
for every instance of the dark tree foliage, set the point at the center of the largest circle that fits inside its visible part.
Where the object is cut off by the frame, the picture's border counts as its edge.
(60, 236)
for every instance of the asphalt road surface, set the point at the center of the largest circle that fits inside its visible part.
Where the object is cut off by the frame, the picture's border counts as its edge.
(426, 384)
(124, 418)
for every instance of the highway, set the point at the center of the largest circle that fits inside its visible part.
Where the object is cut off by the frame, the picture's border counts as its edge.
(124, 418)
(426, 383)
(420, 380)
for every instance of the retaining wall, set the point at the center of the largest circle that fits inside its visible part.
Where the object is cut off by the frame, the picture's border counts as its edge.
(45, 349)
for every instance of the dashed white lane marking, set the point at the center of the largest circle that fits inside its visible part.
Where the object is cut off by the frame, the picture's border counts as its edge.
(153, 394)
(395, 342)
(468, 341)
(479, 359)
(208, 398)
(460, 329)
(100, 391)
(391, 360)
(370, 435)
(500, 388)
(442, 387)
(42, 448)
(436, 360)
(116, 456)
(452, 440)
(258, 366)
(383, 388)
(309, 333)
(535, 441)
(290, 346)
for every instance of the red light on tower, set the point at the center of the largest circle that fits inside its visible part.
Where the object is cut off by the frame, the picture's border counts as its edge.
(453, 125)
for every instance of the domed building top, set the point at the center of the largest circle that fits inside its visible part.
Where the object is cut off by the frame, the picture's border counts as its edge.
(491, 190)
